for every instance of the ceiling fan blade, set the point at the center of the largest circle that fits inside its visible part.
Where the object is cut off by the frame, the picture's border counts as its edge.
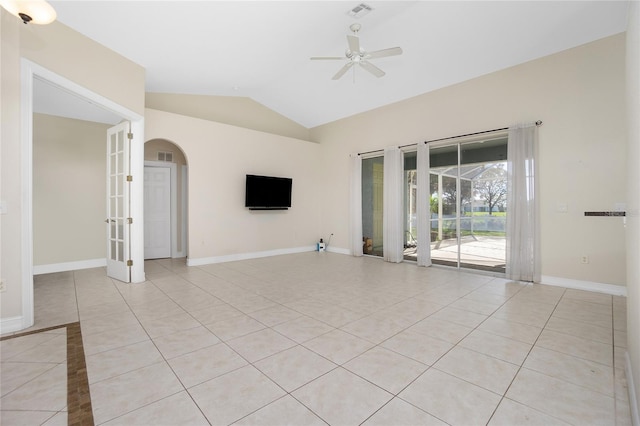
(331, 58)
(354, 43)
(342, 70)
(392, 51)
(372, 68)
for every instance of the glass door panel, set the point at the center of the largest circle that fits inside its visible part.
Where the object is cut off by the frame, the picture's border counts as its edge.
(372, 205)
(483, 175)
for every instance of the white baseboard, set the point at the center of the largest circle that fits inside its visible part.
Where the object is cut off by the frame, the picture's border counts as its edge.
(631, 387)
(338, 250)
(245, 256)
(69, 266)
(11, 325)
(614, 290)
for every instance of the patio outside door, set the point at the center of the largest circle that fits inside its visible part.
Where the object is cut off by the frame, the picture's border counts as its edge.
(468, 200)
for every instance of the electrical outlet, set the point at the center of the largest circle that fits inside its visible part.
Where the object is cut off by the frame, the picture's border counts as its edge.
(584, 259)
(3, 288)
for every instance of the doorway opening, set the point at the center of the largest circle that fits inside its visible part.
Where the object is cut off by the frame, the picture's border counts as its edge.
(165, 200)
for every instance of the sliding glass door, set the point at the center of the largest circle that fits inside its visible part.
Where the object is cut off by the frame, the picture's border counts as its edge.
(372, 205)
(467, 204)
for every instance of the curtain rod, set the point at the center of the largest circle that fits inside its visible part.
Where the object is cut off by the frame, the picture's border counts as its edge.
(538, 123)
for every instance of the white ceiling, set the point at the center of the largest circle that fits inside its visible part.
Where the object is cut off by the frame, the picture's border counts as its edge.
(261, 49)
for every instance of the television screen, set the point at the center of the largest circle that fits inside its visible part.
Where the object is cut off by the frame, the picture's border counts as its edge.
(267, 193)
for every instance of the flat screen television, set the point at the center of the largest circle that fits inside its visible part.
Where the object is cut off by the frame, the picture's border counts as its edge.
(267, 193)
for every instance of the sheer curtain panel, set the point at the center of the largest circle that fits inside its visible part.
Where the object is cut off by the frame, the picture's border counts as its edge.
(392, 223)
(523, 220)
(355, 205)
(423, 208)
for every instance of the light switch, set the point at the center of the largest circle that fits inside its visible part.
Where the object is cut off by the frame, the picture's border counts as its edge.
(3, 207)
(562, 208)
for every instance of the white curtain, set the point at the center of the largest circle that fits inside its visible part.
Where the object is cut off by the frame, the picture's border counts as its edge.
(423, 209)
(355, 205)
(392, 223)
(523, 220)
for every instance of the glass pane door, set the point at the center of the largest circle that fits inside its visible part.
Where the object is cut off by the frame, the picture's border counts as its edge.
(372, 205)
(468, 200)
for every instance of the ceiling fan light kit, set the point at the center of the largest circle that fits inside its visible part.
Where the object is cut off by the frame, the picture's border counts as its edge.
(356, 55)
(30, 11)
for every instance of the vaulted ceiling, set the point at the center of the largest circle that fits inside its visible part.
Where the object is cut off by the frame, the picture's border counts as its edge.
(261, 49)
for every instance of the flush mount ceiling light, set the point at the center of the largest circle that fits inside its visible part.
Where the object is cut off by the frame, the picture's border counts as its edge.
(30, 11)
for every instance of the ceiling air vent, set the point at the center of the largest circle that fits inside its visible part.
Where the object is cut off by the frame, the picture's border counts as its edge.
(360, 10)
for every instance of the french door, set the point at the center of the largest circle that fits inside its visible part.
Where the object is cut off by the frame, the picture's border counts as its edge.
(118, 214)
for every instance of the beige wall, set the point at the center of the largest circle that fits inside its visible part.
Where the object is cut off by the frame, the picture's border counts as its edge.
(219, 157)
(151, 149)
(633, 221)
(578, 93)
(69, 190)
(77, 58)
(10, 191)
(236, 111)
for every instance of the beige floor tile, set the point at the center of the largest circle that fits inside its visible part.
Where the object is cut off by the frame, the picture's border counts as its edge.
(176, 344)
(260, 344)
(510, 413)
(206, 364)
(169, 325)
(175, 410)
(419, 347)
(294, 367)
(580, 329)
(303, 329)
(24, 418)
(108, 322)
(338, 346)
(275, 315)
(496, 346)
(512, 330)
(108, 364)
(286, 411)
(588, 296)
(443, 330)
(560, 399)
(122, 394)
(482, 370)
(16, 374)
(114, 338)
(215, 313)
(11, 347)
(576, 346)
(54, 350)
(387, 369)
(375, 328)
(579, 371)
(450, 399)
(325, 396)
(621, 386)
(476, 306)
(61, 418)
(460, 317)
(235, 327)
(399, 412)
(231, 397)
(47, 392)
(335, 316)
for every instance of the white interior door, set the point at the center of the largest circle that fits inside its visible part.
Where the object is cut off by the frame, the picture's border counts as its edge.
(157, 212)
(118, 215)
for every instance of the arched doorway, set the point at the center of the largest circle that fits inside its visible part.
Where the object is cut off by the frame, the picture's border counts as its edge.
(165, 200)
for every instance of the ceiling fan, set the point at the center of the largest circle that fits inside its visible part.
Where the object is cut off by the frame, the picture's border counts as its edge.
(356, 55)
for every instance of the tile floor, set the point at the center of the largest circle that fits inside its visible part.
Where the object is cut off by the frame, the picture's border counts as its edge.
(319, 338)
